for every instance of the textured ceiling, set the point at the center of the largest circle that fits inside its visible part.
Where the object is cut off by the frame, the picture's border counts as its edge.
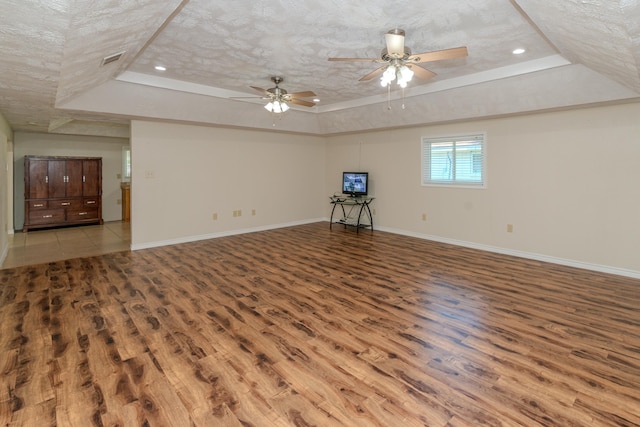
(577, 53)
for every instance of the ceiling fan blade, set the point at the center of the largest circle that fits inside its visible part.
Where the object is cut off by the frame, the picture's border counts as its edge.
(421, 73)
(354, 59)
(302, 102)
(395, 45)
(306, 94)
(262, 91)
(373, 74)
(438, 55)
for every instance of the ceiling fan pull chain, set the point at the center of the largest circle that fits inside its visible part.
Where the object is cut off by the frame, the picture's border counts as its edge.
(403, 98)
(388, 97)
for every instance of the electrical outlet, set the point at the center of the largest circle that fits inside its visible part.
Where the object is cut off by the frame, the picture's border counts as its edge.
(424, 216)
(253, 212)
(373, 211)
(509, 228)
(215, 216)
(118, 176)
(119, 201)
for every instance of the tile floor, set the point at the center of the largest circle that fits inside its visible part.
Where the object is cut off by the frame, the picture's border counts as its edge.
(39, 246)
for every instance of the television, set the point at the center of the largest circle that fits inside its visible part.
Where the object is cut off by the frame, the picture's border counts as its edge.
(355, 183)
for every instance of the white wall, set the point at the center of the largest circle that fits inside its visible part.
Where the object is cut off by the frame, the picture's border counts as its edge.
(569, 182)
(40, 144)
(182, 175)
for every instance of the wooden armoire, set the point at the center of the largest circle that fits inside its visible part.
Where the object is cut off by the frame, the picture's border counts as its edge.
(62, 191)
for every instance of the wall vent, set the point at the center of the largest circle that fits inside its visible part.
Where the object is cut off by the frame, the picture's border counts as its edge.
(112, 58)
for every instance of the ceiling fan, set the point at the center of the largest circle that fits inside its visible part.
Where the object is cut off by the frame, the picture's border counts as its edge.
(278, 97)
(400, 64)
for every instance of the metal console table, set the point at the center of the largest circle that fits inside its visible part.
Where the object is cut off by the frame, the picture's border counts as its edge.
(352, 215)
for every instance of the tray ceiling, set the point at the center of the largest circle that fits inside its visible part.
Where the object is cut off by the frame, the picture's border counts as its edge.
(53, 80)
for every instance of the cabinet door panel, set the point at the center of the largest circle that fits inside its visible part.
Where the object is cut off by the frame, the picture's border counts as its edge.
(74, 178)
(38, 187)
(57, 184)
(91, 185)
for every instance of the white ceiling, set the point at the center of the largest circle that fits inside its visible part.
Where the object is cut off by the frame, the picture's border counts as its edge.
(578, 52)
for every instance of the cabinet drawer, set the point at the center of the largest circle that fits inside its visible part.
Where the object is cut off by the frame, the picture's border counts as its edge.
(82, 214)
(48, 216)
(38, 204)
(90, 203)
(65, 203)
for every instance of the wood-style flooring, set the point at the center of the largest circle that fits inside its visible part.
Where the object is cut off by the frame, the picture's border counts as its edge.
(304, 326)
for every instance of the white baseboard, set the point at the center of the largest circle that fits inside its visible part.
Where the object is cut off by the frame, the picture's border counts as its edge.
(522, 254)
(496, 249)
(5, 252)
(135, 247)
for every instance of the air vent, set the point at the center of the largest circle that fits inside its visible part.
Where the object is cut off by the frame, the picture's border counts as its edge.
(112, 58)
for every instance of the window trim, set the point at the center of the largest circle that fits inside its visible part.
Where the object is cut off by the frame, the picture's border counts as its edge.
(425, 167)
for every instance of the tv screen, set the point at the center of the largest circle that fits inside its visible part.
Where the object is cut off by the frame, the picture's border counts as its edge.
(355, 183)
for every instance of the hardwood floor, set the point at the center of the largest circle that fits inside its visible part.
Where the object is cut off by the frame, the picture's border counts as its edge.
(303, 326)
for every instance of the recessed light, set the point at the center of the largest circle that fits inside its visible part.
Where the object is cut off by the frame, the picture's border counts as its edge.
(160, 68)
(518, 51)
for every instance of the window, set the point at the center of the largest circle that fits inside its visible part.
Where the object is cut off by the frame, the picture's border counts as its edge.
(454, 160)
(126, 164)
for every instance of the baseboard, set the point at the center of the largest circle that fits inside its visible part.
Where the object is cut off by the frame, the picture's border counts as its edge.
(135, 247)
(5, 252)
(522, 254)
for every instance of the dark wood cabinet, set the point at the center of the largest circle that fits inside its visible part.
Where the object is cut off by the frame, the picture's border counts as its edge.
(62, 191)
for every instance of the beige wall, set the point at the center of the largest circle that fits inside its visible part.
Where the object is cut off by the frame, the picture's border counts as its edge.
(182, 175)
(567, 181)
(110, 149)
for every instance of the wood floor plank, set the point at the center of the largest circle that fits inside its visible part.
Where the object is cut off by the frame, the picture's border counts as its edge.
(306, 326)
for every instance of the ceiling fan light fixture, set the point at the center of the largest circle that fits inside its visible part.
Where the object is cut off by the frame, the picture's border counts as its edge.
(406, 73)
(279, 98)
(401, 73)
(282, 106)
(388, 76)
(276, 106)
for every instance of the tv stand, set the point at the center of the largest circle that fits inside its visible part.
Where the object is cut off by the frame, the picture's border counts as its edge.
(352, 215)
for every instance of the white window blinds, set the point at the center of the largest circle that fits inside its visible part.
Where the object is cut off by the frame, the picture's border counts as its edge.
(454, 160)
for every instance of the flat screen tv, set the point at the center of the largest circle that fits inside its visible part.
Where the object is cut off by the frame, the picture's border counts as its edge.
(355, 183)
